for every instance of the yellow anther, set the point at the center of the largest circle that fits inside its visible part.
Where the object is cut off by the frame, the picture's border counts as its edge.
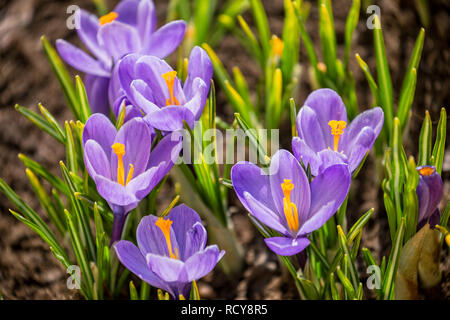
(337, 128)
(130, 174)
(170, 77)
(107, 18)
(426, 171)
(322, 67)
(165, 225)
(289, 208)
(119, 150)
(277, 45)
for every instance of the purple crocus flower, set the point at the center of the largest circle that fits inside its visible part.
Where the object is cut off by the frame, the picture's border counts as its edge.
(171, 251)
(286, 202)
(429, 192)
(130, 28)
(324, 138)
(152, 87)
(121, 164)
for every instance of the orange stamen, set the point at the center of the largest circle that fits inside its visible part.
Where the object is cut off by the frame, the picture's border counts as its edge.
(337, 129)
(165, 225)
(277, 45)
(289, 208)
(107, 18)
(119, 150)
(170, 77)
(426, 171)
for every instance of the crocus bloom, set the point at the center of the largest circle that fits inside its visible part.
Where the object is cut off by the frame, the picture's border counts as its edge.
(171, 251)
(326, 138)
(130, 28)
(286, 202)
(430, 192)
(121, 164)
(151, 85)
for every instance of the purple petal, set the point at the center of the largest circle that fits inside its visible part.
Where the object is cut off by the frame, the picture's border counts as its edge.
(201, 263)
(142, 184)
(248, 177)
(307, 155)
(126, 73)
(87, 32)
(195, 241)
(265, 215)
(362, 144)
(328, 191)
(429, 191)
(118, 39)
(80, 60)
(372, 118)
(142, 96)
(198, 101)
(146, 20)
(127, 11)
(97, 93)
(200, 66)
(285, 246)
(136, 136)
(183, 219)
(310, 130)
(327, 105)
(170, 118)
(329, 158)
(168, 269)
(150, 238)
(96, 160)
(166, 151)
(114, 192)
(99, 128)
(130, 256)
(284, 166)
(166, 39)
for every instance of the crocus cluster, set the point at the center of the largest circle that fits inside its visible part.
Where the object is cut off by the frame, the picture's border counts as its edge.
(324, 138)
(129, 28)
(429, 192)
(171, 251)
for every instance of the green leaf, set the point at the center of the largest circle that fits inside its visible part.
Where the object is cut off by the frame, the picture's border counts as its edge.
(262, 25)
(439, 144)
(345, 282)
(39, 121)
(350, 26)
(372, 84)
(425, 141)
(405, 93)
(133, 292)
(202, 17)
(327, 39)
(394, 256)
(52, 121)
(194, 295)
(384, 77)
(85, 110)
(407, 97)
(346, 250)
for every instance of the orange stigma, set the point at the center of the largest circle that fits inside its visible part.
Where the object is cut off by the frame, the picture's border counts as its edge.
(426, 171)
(337, 128)
(165, 225)
(290, 210)
(170, 77)
(119, 150)
(107, 18)
(277, 45)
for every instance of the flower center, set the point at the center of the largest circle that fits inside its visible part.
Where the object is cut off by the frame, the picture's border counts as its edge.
(119, 150)
(290, 210)
(165, 225)
(426, 171)
(107, 18)
(170, 77)
(337, 128)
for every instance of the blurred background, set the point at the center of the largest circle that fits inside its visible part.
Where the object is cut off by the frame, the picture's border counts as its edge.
(27, 268)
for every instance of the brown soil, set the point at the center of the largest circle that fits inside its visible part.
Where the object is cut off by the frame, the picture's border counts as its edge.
(27, 268)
